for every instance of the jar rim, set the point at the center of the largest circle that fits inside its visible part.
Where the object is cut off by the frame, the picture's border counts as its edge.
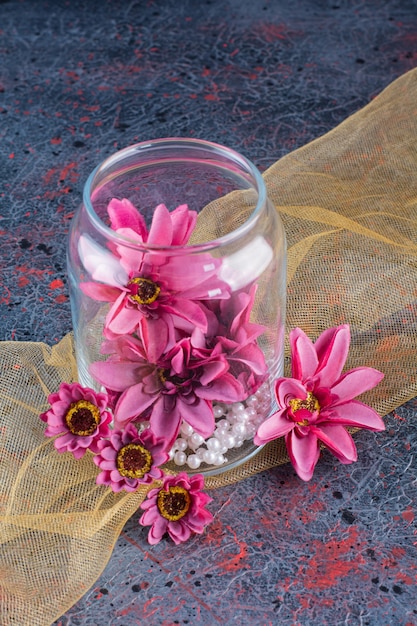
(232, 155)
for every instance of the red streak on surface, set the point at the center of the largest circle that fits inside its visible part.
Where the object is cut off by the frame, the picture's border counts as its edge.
(408, 515)
(22, 281)
(235, 561)
(327, 564)
(56, 284)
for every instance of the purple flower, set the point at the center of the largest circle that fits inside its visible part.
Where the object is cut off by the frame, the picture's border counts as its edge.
(80, 416)
(178, 508)
(181, 386)
(128, 460)
(316, 404)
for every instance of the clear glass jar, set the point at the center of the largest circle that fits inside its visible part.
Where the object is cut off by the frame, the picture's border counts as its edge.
(177, 273)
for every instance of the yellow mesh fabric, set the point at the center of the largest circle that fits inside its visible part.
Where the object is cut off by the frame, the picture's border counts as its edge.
(349, 206)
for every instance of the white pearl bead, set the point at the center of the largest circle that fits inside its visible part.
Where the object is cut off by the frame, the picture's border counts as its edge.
(219, 460)
(239, 429)
(239, 443)
(196, 440)
(229, 441)
(244, 416)
(186, 429)
(180, 458)
(251, 412)
(213, 444)
(250, 430)
(238, 407)
(218, 411)
(252, 401)
(209, 457)
(181, 444)
(193, 461)
(200, 453)
(223, 425)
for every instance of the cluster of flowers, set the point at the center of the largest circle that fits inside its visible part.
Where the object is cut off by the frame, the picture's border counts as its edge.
(316, 406)
(177, 338)
(80, 419)
(178, 341)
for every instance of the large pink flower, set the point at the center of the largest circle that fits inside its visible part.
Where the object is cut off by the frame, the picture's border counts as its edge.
(128, 460)
(178, 508)
(182, 385)
(150, 292)
(80, 416)
(316, 404)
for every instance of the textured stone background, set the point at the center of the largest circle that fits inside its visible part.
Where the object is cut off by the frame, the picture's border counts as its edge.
(80, 79)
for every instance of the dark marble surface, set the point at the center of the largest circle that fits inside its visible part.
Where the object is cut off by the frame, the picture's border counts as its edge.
(80, 79)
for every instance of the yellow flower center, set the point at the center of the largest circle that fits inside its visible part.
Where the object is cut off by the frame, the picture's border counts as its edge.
(143, 290)
(174, 503)
(133, 460)
(82, 418)
(310, 404)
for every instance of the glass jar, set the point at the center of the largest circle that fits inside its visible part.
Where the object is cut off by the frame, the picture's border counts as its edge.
(177, 274)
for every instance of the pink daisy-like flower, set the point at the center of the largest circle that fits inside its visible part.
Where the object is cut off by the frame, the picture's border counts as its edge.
(150, 292)
(128, 460)
(80, 416)
(178, 508)
(316, 404)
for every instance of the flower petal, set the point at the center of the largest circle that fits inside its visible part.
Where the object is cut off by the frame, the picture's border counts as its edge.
(274, 427)
(353, 413)
(123, 214)
(100, 292)
(115, 375)
(131, 404)
(101, 263)
(121, 319)
(179, 531)
(303, 355)
(199, 416)
(287, 389)
(338, 440)
(304, 453)
(332, 348)
(355, 382)
(160, 233)
(183, 223)
(165, 424)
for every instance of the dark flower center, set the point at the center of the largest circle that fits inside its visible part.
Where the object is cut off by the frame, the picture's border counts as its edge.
(133, 460)
(143, 290)
(164, 376)
(310, 404)
(174, 503)
(82, 418)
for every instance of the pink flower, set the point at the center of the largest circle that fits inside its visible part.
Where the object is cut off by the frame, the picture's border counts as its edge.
(238, 337)
(150, 292)
(317, 404)
(181, 386)
(178, 507)
(80, 416)
(128, 460)
(167, 229)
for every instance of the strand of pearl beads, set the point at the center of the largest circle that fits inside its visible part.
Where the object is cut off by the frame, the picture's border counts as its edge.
(235, 424)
